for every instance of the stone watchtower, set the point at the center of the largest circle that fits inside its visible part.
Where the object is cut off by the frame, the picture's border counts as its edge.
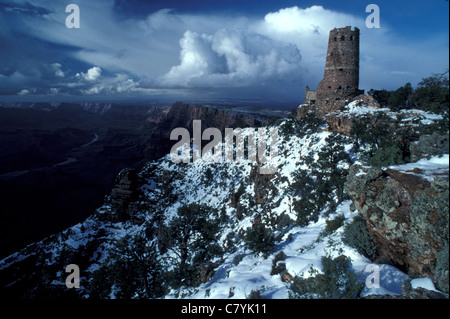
(341, 77)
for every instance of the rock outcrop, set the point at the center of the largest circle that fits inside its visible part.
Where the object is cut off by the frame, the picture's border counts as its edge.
(408, 217)
(182, 115)
(340, 123)
(263, 186)
(429, 145)
(124, 192)
(408, 292)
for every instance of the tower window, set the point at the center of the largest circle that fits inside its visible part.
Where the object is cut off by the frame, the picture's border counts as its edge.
(342, 70)
(343, 38)
(335, 39)
(351, 38)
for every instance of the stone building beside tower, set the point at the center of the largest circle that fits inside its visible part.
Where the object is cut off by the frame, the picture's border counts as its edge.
(340, 84)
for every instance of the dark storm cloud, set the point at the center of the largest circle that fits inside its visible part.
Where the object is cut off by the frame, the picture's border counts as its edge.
(23, 8)
(135, 48)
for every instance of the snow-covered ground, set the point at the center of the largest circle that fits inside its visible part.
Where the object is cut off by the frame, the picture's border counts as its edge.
(239, 270)
(357, 109)
(303, 252)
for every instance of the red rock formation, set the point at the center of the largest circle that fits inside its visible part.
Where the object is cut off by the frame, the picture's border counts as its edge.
(407, 217)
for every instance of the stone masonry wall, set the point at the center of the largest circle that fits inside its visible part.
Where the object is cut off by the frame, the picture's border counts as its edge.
(341, 76)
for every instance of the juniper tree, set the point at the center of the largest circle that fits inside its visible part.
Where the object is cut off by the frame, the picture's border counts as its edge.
(192, 237)
(316, 187)
(134, 270)
(260, 239)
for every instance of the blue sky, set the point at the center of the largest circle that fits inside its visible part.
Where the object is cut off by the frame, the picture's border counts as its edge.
(246, 51)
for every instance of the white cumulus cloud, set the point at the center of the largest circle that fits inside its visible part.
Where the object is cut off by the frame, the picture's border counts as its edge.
(23, 92)
(92, 74)
(56, 68)
(232, 58)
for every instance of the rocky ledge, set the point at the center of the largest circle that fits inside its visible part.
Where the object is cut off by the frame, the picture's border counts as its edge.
(406, 211)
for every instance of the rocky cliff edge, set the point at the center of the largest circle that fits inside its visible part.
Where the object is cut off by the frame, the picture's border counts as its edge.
(406, 210)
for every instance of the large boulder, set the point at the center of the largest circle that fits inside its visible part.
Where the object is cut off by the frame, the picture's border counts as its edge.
(407, 215)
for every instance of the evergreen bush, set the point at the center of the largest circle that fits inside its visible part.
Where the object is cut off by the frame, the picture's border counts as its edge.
(432, 94)
(390, 155)
(278, 266)
(337, 281)
(134, 271)
(255, 294)
(356, 235)
(334, 224)
(322, 184)
(260, 239)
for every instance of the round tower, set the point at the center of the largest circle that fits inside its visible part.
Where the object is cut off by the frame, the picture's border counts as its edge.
(341, 77)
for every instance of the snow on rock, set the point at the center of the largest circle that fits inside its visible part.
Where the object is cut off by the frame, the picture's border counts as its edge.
(383, 280)
(355, 108)
(425, 283)
(426, 168)
(407, 116)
